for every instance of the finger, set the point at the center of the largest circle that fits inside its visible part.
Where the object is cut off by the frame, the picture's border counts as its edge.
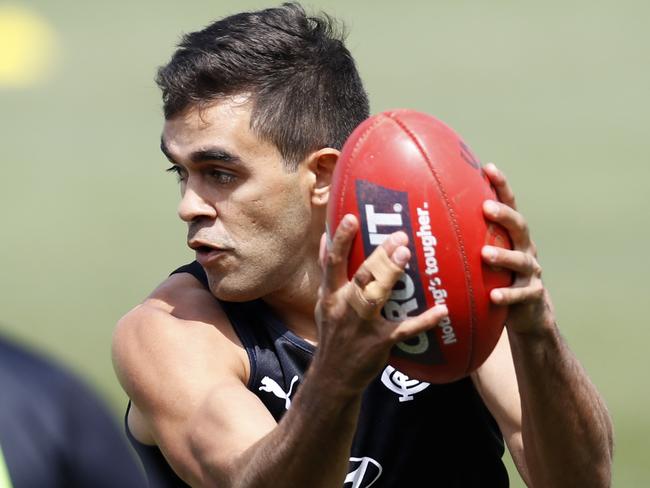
(365, 307)
(368, 300)
(336, 257)
(374, 280)
(386, 275)
(517, 261)
(511, 220)
(515, 295)
(380, 271)
(500, 183)
(414, 326)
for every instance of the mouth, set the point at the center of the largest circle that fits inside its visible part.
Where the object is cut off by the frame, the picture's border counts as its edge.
(205, 252)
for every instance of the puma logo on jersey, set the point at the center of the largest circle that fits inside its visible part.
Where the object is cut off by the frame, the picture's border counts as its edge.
(366, 471)
(402, 385)
(272, 386)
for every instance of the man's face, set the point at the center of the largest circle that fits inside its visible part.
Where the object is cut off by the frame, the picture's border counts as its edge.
(249, 220)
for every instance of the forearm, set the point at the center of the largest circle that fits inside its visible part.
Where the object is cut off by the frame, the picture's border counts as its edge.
(311, 444)
(566, 428)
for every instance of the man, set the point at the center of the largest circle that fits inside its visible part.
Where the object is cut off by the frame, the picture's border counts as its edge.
(244, 385)
(54, 432)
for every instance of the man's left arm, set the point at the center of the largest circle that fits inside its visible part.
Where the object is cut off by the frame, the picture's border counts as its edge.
(559, 432)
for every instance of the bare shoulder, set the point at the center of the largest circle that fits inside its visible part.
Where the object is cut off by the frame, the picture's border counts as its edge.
(176, 334)
(185, 371)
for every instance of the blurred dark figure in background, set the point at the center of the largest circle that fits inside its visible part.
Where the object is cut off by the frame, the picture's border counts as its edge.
(54, 432)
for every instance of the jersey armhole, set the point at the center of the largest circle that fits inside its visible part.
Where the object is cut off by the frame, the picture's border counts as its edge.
(245, 337)
(241, 330)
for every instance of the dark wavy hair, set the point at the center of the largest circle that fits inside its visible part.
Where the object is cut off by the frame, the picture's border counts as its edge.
(305, 87)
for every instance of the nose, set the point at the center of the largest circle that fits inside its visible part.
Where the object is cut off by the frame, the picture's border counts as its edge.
(194, 206)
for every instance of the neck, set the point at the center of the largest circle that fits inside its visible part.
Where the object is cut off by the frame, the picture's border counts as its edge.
(295, 304)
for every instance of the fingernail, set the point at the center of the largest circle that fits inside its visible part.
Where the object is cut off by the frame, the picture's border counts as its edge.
(347, 222)
(491, 207)
(491, 166)
(399, 238)
(401, 256)
(489, 252)
(497, 296)
(443, 309)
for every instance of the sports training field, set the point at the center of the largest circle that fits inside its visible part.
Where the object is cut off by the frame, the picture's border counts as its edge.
(556, 93)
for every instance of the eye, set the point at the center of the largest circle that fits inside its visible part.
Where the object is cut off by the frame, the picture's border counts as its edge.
(221, 177)
(180, 174)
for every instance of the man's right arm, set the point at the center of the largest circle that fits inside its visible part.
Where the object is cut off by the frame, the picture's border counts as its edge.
(186, 381)
(177, 370)
(187, 377)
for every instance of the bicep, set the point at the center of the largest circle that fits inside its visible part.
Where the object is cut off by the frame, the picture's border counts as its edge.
(496, 382)
(203, 438)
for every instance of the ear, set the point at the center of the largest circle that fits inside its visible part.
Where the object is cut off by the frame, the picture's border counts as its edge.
(321, 164)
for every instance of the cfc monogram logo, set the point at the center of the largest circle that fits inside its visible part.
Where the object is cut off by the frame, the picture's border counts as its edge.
(402, 385)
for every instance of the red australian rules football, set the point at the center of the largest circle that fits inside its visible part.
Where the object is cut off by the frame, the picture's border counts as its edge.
(406, 170)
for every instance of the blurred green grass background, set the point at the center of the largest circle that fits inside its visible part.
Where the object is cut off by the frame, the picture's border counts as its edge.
(556, 93)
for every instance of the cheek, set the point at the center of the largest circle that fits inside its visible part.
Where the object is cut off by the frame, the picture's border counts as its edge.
(279, 205)
(280, 228)
(256, 221)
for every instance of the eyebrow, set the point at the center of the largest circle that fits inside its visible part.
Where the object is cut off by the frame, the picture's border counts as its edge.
(204, 155)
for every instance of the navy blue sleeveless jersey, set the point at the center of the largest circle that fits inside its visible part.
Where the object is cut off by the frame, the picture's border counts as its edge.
(409, 433)
(54, 430)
